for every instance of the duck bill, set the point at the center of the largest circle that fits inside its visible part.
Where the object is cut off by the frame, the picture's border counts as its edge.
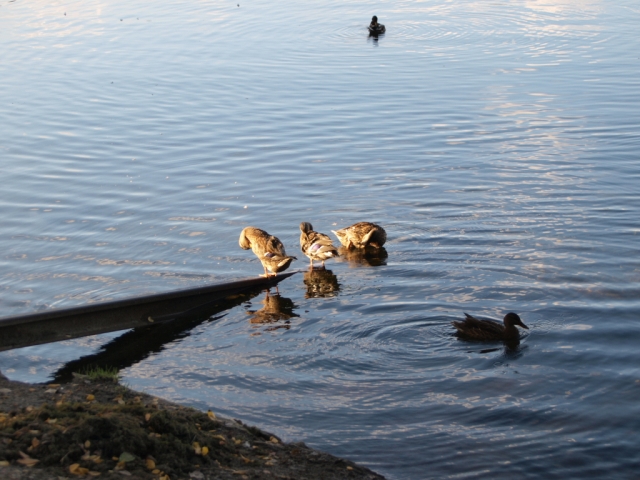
(524, 326)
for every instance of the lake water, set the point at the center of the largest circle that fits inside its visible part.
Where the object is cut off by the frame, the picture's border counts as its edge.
(497, 142)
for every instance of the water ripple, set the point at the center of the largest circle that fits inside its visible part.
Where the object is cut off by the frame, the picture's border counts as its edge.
(496, 143)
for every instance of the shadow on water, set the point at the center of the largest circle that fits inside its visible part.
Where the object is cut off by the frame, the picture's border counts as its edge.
(137, 344)
(376, 33)
(510, 349)
(373, 38)
(514, 351)
(321, 283)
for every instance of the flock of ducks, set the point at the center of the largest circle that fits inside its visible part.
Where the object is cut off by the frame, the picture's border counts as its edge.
(319, 247)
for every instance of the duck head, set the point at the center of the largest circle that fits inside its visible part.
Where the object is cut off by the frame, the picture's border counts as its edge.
(511, 319)
(306, 227)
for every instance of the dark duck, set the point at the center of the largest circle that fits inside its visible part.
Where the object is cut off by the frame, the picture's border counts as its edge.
(376, 28)
(489, 330)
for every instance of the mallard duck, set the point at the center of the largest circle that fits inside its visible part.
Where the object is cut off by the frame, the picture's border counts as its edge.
(473, 328)
(376, 28)
(268, 249)
(362, 235)
(315, 245)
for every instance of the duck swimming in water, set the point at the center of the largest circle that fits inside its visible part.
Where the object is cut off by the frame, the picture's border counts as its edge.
(315, 245)
(489, 330)
(268, 249)
(362, 235)
(376, 28)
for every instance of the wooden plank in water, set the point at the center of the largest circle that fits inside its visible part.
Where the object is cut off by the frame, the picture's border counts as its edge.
(65, 323)
(135, 345)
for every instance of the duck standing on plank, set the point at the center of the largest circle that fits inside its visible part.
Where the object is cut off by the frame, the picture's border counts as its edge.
(315, 245)
(268, 249)
(362, 235)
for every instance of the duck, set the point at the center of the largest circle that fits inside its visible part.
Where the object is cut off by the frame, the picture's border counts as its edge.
(267, 248)
(473, 328)
(376, 28)
(315, 245)
(362, 235)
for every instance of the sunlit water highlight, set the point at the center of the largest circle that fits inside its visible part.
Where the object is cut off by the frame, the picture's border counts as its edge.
(497, 142)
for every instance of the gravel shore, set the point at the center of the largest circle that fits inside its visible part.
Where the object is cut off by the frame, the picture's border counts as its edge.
(103, 429)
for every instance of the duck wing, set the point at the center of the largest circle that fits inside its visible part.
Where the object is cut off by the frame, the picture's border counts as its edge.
(275, 246)
(274, 257)
(277, 264)
(362, 234)
(480, 329)
(352, 236)
(317, 243)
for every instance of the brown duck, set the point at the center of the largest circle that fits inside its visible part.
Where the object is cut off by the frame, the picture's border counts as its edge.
(362, 235)
(268, 249)
(489, 330)
(315, 245)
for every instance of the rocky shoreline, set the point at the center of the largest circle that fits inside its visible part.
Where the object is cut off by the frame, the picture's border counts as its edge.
(103, 429)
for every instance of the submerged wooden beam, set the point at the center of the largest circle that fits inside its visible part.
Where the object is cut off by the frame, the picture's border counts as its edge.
(65, 323)
(134, 345)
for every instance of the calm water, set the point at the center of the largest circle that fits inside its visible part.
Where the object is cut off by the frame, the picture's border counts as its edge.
(497, 142)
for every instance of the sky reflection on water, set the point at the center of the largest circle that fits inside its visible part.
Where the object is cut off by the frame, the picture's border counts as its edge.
(496, 143)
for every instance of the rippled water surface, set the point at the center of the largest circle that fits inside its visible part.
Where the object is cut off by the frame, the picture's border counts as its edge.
(497, 142)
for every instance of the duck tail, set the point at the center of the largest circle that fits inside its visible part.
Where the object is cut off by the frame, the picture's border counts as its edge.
(367, 238)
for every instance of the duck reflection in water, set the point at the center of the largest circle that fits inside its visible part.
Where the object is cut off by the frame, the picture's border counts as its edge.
(365, 257)
(276, 308)
(321, 283)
